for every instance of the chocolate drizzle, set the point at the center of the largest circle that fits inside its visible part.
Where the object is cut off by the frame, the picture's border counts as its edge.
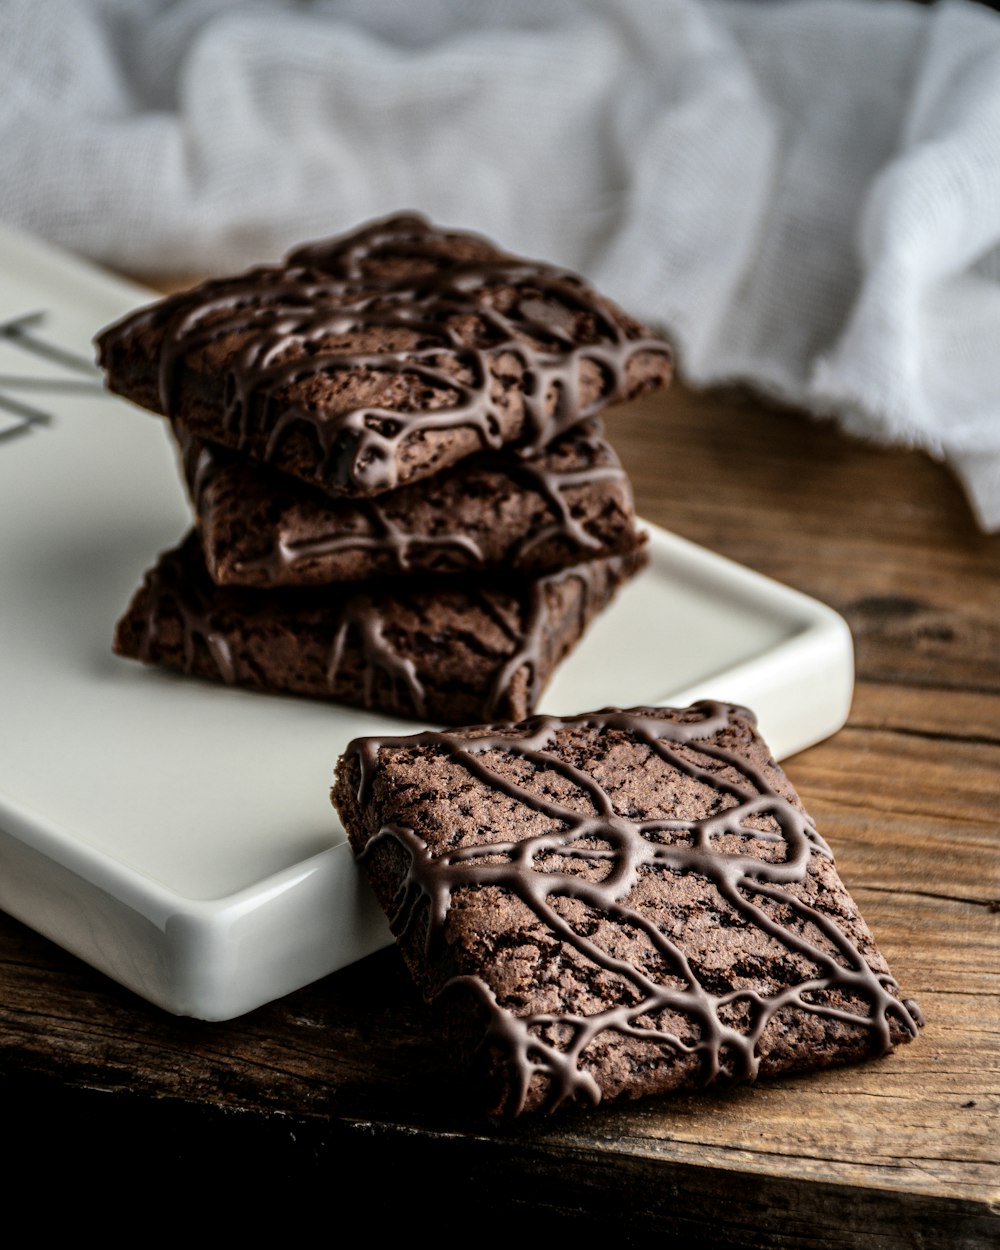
(440, 331)
(377, 646)
(362, 617)
(171, 595)
(569, 504)
(755, 848)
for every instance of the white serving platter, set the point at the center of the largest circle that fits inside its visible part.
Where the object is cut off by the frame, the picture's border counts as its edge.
(178, 835)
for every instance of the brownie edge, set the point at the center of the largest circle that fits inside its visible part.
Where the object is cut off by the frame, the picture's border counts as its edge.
(382, 357)
(617, 904)
(436, 649)
(495, 512)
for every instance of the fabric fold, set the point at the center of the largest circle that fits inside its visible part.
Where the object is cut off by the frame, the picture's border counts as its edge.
(804, 195)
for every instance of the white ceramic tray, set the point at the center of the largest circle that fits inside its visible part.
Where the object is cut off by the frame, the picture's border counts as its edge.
(178, 835)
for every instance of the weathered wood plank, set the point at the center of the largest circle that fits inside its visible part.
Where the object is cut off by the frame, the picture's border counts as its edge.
(926, 712)
(896, 1153)
(883, 536)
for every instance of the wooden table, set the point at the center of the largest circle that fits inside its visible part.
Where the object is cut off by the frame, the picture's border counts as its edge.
(346, 1080)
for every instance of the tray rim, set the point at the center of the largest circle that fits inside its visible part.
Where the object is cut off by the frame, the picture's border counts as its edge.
(199, 958)
(220, 957)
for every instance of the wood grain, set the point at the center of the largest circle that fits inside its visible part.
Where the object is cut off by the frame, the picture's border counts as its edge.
(348, 1078)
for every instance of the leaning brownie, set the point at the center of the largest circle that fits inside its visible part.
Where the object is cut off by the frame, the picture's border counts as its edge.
(617, 904)
(382, 357)
(438, 650)
(497, 510)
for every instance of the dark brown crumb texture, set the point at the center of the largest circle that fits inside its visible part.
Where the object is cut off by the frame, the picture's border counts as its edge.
(617, 904)
(497, 510)
(375, 359)
(447, 651)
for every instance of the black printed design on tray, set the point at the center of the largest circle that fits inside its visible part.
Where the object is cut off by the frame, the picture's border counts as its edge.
(20, 332)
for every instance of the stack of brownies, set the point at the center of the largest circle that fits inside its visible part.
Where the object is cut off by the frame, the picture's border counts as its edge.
(404, 496)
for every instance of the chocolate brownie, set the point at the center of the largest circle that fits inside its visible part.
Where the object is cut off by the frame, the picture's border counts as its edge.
(497, 510)
(442, 650)
(617, 904)
(381, 357)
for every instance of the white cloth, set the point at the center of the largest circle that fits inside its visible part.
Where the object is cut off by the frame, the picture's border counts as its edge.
(805, 195)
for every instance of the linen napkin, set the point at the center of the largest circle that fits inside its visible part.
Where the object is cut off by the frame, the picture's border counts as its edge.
(806, 196)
